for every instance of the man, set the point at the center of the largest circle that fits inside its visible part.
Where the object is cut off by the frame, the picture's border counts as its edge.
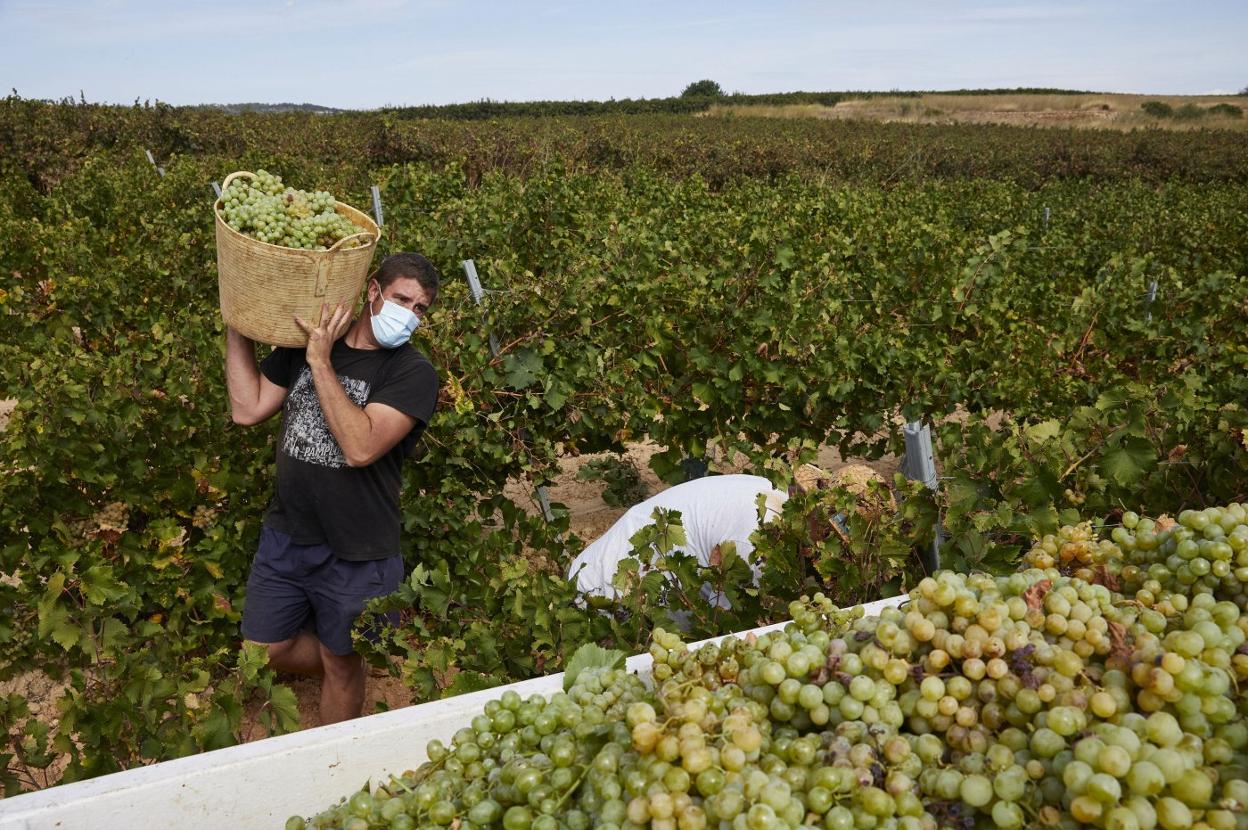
(354, 402)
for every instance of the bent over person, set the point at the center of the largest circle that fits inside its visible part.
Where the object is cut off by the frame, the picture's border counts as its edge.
(353, 403)
(713, 509)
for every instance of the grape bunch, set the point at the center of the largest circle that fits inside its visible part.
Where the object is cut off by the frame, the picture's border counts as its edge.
(1039, 699)
(1160, 563)
(265, 209)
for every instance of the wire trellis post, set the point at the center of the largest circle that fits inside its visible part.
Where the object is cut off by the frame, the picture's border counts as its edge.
(478, 296)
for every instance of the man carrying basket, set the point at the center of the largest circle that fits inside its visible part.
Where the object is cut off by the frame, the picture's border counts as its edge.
(353, 402)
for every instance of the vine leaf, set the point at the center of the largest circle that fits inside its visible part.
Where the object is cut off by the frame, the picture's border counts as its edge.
(523, 368)
(1127, 462)
(591, 656)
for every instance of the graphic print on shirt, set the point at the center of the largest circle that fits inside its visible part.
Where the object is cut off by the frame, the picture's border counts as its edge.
(307, 436)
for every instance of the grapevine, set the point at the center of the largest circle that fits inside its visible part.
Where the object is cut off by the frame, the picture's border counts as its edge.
(715, 287)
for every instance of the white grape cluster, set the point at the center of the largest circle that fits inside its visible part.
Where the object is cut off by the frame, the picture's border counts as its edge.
(1034, 700)
(267, 210)
(1160, 563)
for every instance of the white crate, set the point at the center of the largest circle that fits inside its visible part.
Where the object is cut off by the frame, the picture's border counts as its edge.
(257, 786)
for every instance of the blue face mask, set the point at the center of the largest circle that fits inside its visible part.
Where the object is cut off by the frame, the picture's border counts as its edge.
(393, 325)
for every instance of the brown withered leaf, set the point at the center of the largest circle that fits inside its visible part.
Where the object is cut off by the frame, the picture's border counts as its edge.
(1102, 576)
(1163, 523)
(1177, 453)
(108, 536)
(1118, 645)
(825, 672)
(1034, 595)
(717, 557)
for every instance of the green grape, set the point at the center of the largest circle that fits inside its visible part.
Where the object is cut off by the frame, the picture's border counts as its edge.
(266, 210)
(993, 718)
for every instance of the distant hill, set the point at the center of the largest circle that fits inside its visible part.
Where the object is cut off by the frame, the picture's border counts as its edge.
(683, 104)
(235, 109)
(687, 104)
(488, 109)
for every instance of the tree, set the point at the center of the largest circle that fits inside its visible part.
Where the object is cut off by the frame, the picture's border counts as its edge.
(703, 89)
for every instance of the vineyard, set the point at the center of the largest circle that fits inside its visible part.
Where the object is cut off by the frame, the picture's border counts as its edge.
(1067, 310)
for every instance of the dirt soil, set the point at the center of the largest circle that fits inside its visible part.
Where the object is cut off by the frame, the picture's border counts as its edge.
(1114, 111)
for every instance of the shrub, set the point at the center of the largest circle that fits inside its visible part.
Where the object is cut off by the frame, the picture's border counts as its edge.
(1227, 110)
(1188, 112)
(703, 89)
(624, 485)
(1157, 109)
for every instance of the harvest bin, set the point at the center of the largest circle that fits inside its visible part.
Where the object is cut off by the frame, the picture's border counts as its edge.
(257, 786)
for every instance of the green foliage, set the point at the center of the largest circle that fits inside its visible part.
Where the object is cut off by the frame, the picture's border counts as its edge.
(624, 485)
(341, 152)
(1189, 112)
(747, 290)
(1227, 110)
(1157, 109)
(845, 544)
(591, 656)
(702, 89)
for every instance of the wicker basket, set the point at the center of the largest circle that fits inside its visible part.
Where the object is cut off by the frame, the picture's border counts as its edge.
(263, 286)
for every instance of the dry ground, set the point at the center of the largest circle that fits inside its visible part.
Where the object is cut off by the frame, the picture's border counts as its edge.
(1108, 111)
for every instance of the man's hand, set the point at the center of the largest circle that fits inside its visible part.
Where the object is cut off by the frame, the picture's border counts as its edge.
(323, 335)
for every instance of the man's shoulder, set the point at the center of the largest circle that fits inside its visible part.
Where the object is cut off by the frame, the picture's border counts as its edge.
(408, 352)
(412, 359)
(407, 366)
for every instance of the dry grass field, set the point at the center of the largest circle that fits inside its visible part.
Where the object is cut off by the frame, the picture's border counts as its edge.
(1107, 111)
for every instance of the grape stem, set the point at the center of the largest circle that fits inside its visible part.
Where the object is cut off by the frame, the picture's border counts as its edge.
(399, 781)
(425, 771)
(571, 789)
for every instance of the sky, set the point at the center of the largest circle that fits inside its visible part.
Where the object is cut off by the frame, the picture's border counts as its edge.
(361, 54)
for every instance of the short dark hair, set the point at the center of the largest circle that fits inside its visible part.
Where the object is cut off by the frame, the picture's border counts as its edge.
(409, 265)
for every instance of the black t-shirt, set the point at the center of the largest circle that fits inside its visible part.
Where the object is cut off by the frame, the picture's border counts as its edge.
(319, 499)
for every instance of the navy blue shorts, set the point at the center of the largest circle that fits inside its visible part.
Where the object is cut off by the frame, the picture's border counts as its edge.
(297, 587)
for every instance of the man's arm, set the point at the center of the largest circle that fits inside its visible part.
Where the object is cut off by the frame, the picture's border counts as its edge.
(253, 397)
(367, 433)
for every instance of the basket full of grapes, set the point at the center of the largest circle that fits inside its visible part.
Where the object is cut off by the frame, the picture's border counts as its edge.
(283, 252)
